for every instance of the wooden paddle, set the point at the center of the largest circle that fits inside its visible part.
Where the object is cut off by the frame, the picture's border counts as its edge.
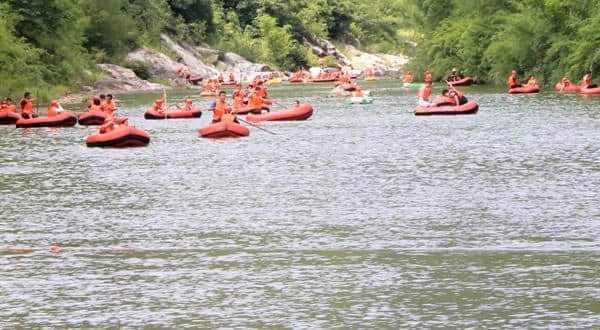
(260, 128)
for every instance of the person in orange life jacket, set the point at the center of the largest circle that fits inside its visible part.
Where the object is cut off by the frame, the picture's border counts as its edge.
(263, 90)
(221, 78)
(218, 107)
(238, 96)
(531, 81)
(231, 76)
(54, 109)
(108, 106)
(188, 105)
(454, 97)
(107, 126)
(26, 105)
(428, 77)
(96, 104)
(158, 106)
(358, 92)
(424, 94)
(587, 81)
(8, 106)
(454, 76)
(566, 82)
(409, 78)
(512, 80)
(255, 102)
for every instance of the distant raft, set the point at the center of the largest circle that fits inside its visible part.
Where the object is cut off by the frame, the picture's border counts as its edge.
(120, 137)
(559, 87)
(155, 115)
(470, 107)
(9, 118)
(63, 119)
(90, 118)
(590, 91)
(301, 112)
(466, 81)
(224, 129)
(524, 90)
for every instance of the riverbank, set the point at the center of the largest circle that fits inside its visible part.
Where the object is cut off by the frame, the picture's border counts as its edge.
(161, 67)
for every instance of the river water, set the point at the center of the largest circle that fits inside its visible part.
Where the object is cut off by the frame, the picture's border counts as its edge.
(361, 217)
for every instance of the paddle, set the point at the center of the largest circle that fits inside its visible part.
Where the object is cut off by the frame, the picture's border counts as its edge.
(260, 128)
(266, 130)
(454, 89)
(165, 99)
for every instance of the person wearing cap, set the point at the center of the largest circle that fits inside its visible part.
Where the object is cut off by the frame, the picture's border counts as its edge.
(454, 76)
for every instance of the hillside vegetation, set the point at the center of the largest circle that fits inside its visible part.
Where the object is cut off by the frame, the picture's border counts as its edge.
(54, 44)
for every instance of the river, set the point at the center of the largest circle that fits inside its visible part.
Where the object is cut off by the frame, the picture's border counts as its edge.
(361, 217)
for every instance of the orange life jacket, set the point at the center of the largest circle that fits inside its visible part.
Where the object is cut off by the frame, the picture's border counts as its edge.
(231, 77)
(532, 82)
(219, 110)
(255, 102)
(452, 96)
(52, 111)
(26, 106)
(238, 98)
(512, 81)
(425, 93)
(228, 117)
(108, 107)
(428, 77)
(263, 92)
(94, 107)
(358, 93)
(9, 108)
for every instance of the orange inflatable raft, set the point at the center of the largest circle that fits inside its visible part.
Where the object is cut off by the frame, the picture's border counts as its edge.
(470, 107)
(524, 90)
(8, 117)
(590, 91)
(120, 137)
(224, 129)
(63, 119)
(559, 87)
(92, 118)
(152, 114)
(302, 112)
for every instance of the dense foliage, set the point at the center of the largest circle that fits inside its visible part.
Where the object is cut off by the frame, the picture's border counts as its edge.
(489, 38)
(56, 42)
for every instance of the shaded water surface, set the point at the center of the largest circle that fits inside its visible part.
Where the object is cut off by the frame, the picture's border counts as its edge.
(362, 216)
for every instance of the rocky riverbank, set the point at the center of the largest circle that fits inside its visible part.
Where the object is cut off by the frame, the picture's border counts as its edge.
(206, 62)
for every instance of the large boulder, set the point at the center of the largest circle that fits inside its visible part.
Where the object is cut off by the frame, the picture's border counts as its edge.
(192, 57)
(123, 80)
(160, 65)
(233, 62)
(381, 64)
